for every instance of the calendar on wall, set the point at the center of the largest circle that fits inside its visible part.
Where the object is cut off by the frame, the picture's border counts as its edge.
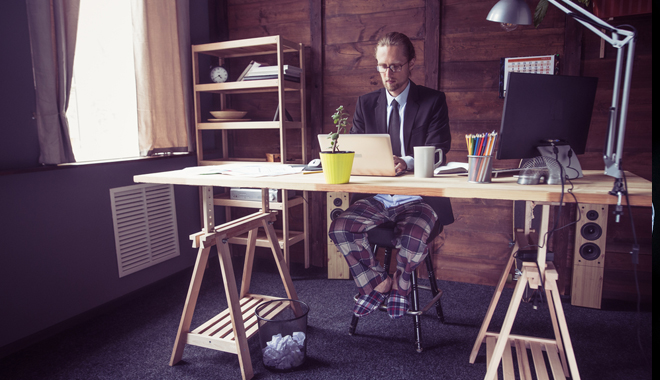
(544, 64)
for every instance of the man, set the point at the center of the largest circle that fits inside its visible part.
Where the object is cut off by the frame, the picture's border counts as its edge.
(420, 118)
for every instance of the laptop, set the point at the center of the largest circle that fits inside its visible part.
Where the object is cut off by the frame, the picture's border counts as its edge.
(373, 153)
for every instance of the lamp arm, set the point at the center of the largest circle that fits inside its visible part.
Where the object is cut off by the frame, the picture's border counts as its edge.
(593, 23)
(613, 160)
(618, 113)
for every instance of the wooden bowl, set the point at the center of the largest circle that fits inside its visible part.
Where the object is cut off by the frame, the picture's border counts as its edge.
(228, 114)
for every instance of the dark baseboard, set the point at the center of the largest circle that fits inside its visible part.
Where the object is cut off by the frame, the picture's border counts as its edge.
(86, 316)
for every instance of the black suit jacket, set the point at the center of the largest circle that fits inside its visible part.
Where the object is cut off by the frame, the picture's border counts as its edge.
(425, 122)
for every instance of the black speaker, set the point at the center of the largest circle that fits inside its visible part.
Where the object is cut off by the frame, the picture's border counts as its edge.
(589, 256)
(590, 251)
(337, 206)
(336, 203)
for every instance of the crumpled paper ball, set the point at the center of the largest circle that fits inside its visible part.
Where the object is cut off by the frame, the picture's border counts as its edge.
(285, 352)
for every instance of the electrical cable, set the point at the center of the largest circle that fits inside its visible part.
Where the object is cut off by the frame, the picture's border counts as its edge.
(570, 157)
(546, 238)
(635, 262)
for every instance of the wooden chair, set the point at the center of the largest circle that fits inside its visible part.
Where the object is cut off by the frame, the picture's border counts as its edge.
(382, 236)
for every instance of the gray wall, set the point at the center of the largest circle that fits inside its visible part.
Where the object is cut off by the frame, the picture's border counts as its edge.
(57, 251)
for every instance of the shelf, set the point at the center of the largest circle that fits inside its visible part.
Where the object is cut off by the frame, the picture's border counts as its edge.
(247, 87)
(218, 333)
(262, 239)
(247, 47)
(520, 345)
(217, 125)
(224, 200)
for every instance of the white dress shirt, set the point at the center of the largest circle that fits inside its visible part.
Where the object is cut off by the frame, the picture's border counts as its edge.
(394, 200)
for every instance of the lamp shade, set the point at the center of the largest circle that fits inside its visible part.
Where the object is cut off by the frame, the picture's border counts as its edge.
(515, 12)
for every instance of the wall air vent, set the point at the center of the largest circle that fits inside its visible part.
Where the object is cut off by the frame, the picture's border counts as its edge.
(144, 218)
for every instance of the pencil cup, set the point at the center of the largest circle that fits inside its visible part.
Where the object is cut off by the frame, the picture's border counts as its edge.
(480, 168)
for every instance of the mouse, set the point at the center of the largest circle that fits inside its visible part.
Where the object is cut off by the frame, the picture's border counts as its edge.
(314, 164)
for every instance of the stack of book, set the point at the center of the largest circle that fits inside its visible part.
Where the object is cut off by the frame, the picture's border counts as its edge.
(257, 71)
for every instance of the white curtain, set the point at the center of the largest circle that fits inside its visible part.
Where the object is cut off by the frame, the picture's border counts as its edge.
(161, 40)
(53, 25)
(163, 74)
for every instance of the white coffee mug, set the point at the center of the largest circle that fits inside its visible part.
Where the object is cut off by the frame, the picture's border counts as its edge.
(425, 161)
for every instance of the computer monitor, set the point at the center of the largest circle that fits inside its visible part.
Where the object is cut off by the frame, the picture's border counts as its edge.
(542, 112)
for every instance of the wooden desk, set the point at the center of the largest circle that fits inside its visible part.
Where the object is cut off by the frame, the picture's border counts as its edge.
(594, 188)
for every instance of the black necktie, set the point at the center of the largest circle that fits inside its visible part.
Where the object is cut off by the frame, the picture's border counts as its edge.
(395, 125)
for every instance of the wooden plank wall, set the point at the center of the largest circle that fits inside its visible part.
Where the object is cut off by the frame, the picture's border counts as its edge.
(459, 53)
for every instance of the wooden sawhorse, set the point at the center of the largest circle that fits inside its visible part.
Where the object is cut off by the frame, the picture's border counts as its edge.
(230, 330)
(498, 345)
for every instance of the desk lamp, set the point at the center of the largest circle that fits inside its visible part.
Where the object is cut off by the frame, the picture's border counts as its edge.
(517, 12)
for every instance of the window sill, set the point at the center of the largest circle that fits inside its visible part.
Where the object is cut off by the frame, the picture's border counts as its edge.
(126, 159)
(87, 163)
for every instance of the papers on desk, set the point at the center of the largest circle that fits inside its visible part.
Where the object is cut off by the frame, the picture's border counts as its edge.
(245, 170)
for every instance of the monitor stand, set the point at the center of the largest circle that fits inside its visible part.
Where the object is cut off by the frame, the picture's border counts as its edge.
(566, 157)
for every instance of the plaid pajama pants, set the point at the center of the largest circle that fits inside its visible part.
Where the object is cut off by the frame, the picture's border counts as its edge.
(414, 222)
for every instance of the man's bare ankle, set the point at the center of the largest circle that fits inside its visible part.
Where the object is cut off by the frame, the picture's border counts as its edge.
(384, 286)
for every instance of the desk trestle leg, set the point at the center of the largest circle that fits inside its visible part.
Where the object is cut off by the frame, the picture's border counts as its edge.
(559, 351)
(189, 306)
(230, 330)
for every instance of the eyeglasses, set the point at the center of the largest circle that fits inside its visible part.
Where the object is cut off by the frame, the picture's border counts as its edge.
(392, 68)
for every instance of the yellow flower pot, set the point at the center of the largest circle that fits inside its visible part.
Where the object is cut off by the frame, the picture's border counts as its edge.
(337, 166)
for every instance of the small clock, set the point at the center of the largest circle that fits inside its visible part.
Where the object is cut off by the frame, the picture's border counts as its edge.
(219, 74)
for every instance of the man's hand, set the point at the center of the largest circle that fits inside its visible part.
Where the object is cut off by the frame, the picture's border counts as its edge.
(399, 164)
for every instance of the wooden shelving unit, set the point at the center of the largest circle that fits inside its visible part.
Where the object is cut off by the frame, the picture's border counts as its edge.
(286, 91)
(252, 47)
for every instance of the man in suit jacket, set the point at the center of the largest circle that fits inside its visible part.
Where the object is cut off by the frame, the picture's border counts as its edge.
(413, 116)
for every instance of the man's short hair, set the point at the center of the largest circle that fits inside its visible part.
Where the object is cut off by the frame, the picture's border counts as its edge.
(398, 39)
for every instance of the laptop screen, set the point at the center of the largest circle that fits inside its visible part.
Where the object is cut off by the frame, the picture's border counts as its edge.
(373, 152)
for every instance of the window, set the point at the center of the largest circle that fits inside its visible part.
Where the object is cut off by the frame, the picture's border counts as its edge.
(102, 110)
(108, 83)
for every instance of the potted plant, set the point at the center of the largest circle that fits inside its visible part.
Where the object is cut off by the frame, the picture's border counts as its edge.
(542, 9)
(337, 164)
